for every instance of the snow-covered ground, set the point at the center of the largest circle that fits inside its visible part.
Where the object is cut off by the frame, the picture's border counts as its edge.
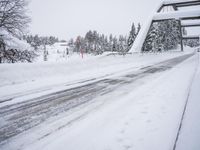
(59, 51)
(144, 114)
(190, 132)
(20, 79)
(147, 118)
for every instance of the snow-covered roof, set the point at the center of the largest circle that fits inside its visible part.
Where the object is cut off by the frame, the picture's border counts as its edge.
(177, 14)
(14, 43)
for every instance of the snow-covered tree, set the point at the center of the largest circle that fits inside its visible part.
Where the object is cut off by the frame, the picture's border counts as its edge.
(192, 42)
(96, 43)
(138, 29)
(132, 35)
(13, 17)
(150, 42)
(37, 41)
(13, 23)
(163, 35)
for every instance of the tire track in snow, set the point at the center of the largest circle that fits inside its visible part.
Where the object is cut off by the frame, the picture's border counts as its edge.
(23, 116)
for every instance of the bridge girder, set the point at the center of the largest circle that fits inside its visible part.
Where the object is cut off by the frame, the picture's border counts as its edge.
(176, 14)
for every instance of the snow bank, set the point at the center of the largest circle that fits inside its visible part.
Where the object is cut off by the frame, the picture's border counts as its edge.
(140, 118)
(15, 43)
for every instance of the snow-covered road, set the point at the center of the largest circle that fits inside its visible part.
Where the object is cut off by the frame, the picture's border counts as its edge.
(127, 111)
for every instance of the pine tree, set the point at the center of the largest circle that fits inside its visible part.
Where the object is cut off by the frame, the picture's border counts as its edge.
(169, 34)
(111, 42)
(96, 43)
(132, 36)
(150, 43)
(163, 35)
(138, 29)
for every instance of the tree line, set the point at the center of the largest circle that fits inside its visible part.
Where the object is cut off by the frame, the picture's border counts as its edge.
(96, 43)
(162, 36)
(36, 41)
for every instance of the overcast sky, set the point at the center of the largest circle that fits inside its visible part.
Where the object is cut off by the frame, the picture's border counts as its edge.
(69, 18)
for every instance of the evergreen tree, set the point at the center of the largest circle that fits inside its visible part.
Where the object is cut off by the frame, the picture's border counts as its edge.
(96, 43)
(132, 36)
(164, 35)
(37, 41)
(138, 29)
(150, 43)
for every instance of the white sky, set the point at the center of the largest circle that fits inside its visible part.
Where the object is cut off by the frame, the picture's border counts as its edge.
(69, 18)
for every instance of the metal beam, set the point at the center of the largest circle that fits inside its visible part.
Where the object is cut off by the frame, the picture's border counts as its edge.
(183, 15)
(175, 7)
(190, 18)
(186, 18)
(191, 37)
(188, 3)
(190, 25)
(159, 10)
(161, 20)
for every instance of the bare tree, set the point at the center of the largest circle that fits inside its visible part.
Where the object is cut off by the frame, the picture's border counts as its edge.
(13, 18)
(13, 22)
